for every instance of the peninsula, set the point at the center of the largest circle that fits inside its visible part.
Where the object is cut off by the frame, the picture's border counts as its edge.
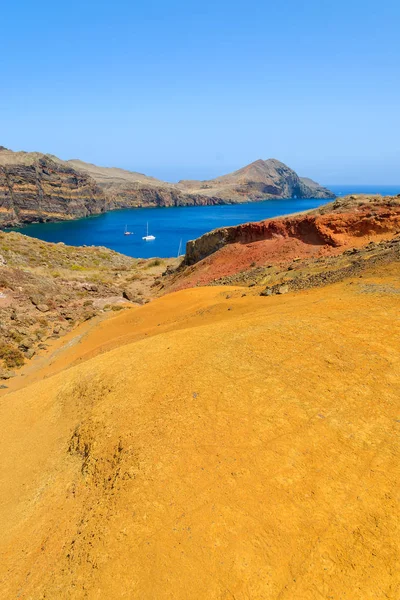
(36, 187)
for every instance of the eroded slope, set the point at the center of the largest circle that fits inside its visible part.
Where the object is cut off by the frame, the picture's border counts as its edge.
(296, 245)
(240, 447)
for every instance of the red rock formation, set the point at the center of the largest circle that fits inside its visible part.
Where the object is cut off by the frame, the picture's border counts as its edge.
(347, 222)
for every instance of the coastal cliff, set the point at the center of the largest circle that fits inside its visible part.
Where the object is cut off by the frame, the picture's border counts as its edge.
(37, 188)
(304, 250)
(262, 179)
(334, 225)
(41, 187)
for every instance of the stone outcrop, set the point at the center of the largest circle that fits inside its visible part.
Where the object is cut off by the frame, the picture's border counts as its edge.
(44, 190)
(333, 225)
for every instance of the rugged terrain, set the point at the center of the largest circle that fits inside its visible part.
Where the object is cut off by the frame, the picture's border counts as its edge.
(47, 289)
(127, 189)
(288, 247)
(213, 445)
(34, 187)
(261, 179)
(239, 440)
(41, 187)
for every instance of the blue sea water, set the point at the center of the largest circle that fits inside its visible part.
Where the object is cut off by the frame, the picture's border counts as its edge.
(173, 227)
(345, 190)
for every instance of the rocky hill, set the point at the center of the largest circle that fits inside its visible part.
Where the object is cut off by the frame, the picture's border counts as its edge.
(39, 187)
(128, 189)
(35, 187)
(276, 249)
(46, 290)
(261, 179)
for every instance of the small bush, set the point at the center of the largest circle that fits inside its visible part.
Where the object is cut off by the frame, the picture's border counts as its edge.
(16, 336)
(12, 357)
(154, 263)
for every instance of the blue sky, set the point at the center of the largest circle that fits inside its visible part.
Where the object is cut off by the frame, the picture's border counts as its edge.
(195, 89)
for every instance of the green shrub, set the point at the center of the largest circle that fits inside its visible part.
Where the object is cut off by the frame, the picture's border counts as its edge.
(12, 357)
(154, 263)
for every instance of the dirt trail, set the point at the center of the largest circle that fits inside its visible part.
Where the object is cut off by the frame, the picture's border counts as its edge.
(211, 445)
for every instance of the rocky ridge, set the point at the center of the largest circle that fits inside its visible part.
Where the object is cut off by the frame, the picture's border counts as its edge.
(261, 179)
(35, 187)
(253, 252)
(40, 187)
(330, 225)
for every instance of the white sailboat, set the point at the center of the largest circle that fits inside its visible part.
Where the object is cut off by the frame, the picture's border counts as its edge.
(179, 249)
(126, 232)
(147, 237)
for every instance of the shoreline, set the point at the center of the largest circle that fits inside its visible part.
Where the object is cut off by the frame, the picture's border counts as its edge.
(26, 228)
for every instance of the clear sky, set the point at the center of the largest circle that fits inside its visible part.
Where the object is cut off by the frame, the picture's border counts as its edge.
(181, 89)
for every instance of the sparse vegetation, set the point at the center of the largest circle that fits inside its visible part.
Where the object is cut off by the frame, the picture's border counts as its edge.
(156, 262)
(11, 356)
(53, 285)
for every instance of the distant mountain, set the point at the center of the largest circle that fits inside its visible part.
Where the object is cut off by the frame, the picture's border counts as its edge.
(42, 187)
(261, 179)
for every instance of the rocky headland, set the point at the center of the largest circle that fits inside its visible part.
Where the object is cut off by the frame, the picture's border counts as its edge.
(40, 187)
(253, 251)
(34, 187)
(258, 180)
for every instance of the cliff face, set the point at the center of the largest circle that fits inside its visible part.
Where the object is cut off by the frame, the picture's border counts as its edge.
(261, 179)
(40, 189)
(141, 195)
(129, 189)
(337, 224)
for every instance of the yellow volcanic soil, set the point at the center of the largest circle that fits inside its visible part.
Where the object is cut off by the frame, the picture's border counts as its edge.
(211, 447)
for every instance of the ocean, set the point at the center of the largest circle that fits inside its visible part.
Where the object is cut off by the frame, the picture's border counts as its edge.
(173, 227)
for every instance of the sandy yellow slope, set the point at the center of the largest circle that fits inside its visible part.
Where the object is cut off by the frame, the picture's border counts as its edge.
(205, 447)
